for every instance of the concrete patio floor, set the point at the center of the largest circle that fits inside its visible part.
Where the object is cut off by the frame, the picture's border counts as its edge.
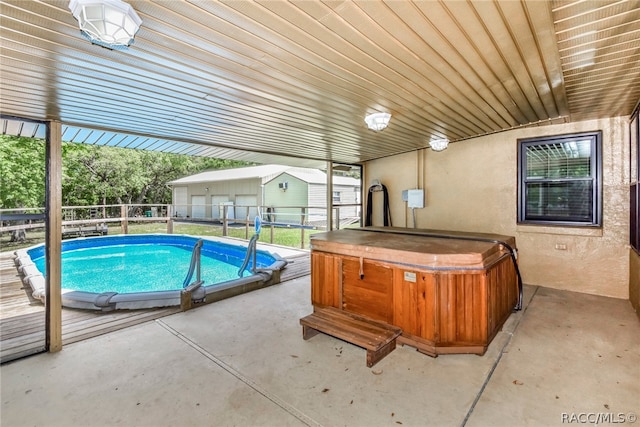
(566, 358)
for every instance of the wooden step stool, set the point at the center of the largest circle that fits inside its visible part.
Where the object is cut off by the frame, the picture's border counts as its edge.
(378, 338)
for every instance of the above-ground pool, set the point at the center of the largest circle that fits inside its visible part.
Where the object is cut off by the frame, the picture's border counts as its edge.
(151, 270)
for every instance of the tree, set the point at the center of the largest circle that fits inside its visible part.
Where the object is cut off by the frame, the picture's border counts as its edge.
(94, 175)
(99, 175)
(111, 175)
(22, 172)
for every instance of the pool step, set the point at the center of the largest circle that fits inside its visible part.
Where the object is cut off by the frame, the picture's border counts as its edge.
(378, 338)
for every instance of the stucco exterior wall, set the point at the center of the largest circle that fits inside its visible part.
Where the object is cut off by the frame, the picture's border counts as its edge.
(472, 186)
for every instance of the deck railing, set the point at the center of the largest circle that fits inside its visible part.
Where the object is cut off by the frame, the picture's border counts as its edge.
(227, 220)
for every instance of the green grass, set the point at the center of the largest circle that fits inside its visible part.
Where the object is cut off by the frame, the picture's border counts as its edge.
(283, 236)
(290, 237)
(33, 238)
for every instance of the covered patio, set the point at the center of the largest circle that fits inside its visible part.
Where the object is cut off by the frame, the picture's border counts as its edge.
(291, 83)
(566, 357)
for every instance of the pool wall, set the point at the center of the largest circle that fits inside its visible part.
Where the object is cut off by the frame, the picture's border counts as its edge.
(268, 267)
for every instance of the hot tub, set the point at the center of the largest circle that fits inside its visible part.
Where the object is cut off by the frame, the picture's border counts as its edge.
(449, 292)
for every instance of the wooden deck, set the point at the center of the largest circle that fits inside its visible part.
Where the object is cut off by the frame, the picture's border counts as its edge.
(298, 266)
(22, 319)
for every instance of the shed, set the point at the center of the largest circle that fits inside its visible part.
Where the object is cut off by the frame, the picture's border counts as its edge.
(281, 194)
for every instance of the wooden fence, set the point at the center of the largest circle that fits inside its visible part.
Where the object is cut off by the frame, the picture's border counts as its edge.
(80, 221)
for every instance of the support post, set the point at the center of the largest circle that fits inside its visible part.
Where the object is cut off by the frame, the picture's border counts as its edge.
(246, 225)
(303, 215)
(329, 196)
(225, 224)
(271, 233)
(170, 219)
(53, 238)
(124, 222)
(185, 300)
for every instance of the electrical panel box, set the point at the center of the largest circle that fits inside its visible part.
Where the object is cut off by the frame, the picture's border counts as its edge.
(415, 198)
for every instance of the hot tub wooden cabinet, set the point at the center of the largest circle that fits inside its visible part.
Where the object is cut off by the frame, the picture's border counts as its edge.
(447, 294)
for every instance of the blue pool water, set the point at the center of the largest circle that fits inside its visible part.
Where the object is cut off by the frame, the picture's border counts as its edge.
(144, 263)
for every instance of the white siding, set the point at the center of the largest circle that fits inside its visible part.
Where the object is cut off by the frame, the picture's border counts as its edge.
(317, 199)
(180, 201)
(294, 198)
(244, 202)
(348, 195)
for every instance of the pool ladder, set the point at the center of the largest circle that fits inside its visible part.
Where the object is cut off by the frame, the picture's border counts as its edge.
(194, 267)
(251, 254)
(193, 291)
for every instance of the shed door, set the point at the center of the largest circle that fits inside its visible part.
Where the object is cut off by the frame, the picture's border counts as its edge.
(244, 202)
(180, 201)
(198, 207)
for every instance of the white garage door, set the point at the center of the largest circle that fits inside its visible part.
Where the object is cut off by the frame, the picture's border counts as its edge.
(198, 207)
(246, 202)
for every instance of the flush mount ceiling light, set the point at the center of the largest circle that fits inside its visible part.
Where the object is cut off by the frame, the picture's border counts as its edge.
(108, 23)
(439, 144)
(377, 121)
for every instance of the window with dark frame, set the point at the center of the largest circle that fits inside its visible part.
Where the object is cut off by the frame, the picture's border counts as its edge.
(560, 180)
(634, 179)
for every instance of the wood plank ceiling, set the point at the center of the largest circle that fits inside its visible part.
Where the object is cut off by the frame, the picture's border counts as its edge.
(291, 81)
